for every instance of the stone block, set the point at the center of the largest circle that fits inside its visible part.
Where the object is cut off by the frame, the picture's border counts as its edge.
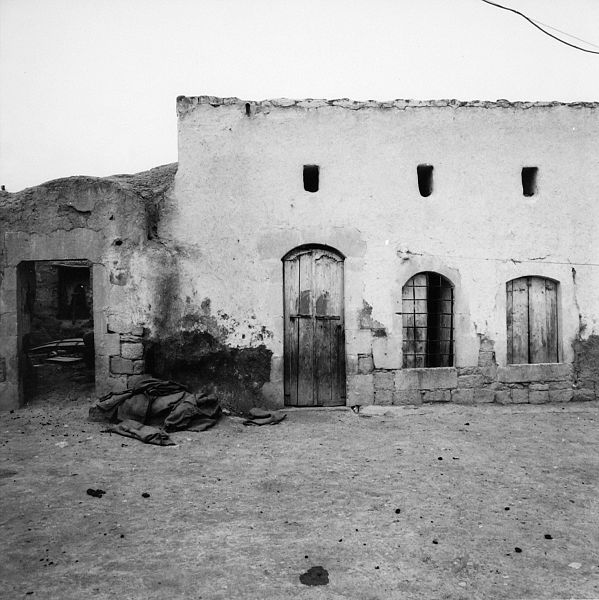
(360, 389)
(384, 380)
(138, 330)
(465, 371)
(110, 344)
(519, 396)
(538, 387)
(463, 396)
(436, 396)
(383, 397)
(130, 338)
(426, 379)
(503, 396)
(132, 351)
(583, 395)
(351, 364)
(484, 395)
(538, 396)
(386, 353)
(541, 372)
(560, 385)
(560, 395)
(489, 373)
(471, 381)
(402, 397)
(121, 366)
(365, 364)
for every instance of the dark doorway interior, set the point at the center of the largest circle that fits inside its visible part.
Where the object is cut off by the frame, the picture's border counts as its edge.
(56, 330)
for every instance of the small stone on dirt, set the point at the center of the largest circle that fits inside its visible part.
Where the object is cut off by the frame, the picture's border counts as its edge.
(575, 565)
(548, 536)
(145, 495)
(397, 511)
(516, 549)
(315, 576)
(95, 493)
(440, 458)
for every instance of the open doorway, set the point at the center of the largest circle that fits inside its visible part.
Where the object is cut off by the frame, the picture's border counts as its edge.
(56, 330)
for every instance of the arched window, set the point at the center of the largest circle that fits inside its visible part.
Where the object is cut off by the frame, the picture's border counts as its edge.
(532, 325)
(427, 311)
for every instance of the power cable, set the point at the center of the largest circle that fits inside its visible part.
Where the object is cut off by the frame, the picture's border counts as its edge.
(535, 24)
(566, 33)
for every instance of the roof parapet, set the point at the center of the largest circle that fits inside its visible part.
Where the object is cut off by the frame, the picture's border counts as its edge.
(186, 104)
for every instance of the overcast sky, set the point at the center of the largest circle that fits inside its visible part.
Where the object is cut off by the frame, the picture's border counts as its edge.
(88, 87)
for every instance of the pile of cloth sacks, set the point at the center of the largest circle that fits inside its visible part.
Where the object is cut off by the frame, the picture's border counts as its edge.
(151, 407)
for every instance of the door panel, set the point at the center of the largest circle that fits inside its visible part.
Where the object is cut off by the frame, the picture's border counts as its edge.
(314, 323)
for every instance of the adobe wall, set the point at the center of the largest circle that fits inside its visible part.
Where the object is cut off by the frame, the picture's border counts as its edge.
(240, 207)
(108, 222)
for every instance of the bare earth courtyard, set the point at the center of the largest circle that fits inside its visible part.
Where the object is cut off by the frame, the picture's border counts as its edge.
(419, 502)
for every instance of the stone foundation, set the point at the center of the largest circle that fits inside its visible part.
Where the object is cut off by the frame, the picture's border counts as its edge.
(515, 384)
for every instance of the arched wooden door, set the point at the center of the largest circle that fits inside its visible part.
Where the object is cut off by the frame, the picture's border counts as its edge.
(314, 328)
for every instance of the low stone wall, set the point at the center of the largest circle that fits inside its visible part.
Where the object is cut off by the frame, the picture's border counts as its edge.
(514, 384)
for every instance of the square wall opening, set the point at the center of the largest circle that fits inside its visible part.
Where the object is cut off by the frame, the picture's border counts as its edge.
(55, 330)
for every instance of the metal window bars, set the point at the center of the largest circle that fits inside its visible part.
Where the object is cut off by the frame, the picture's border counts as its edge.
(427, 314)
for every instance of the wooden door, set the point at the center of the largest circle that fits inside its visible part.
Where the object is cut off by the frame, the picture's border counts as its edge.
(314, 328)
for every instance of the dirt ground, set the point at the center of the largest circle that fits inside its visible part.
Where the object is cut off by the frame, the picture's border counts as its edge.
(425, 502)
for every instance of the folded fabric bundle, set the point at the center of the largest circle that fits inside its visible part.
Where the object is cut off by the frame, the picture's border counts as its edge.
(260, 416)
(151, 407)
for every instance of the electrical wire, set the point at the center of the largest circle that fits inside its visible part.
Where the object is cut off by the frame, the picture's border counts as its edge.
(566, 33)
(535, 24)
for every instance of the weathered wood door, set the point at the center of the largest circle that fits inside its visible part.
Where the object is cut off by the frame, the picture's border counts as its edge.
(314, 328)
(532, 324)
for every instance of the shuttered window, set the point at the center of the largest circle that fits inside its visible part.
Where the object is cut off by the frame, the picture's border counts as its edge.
(532, 325)
(427, 313)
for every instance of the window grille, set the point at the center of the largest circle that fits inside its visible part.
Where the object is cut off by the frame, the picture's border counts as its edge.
(427, 314)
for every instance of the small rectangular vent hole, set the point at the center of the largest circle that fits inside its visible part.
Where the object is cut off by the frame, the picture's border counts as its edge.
(311, 176)
(529, 180)
(425, 180)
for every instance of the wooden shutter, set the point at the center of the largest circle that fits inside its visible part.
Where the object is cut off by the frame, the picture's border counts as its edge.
(532, 325)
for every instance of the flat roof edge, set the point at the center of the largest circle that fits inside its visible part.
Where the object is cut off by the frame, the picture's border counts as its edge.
(188, 103)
